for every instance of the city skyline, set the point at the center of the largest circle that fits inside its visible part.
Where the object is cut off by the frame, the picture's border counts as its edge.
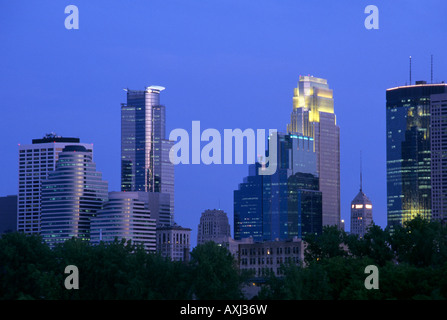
(74, 83)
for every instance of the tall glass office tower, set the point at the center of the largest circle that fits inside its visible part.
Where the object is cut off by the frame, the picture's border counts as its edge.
(408, 151)
(145, 164)
(71, 196)
(283, 205)
(313, 116)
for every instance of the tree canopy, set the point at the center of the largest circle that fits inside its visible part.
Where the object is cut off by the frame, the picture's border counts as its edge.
(411, 260)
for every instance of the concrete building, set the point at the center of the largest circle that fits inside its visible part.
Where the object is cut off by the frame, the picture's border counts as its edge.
(361, 211)
(174, 242)
(263, 257)
(361, 214)
(213, 226)
(71, 196)
(124, 216)
(36, 161)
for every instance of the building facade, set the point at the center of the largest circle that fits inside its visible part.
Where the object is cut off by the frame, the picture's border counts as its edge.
(71, 196)
(361, 214)
(145, 164)
(159, 204)
(174, 242)
(313, 116)
(409, 151)
(8, 214)
(263, 257)
(283, 205)
(438, 146)
(124, 216)
(36, 161)
(213, 226)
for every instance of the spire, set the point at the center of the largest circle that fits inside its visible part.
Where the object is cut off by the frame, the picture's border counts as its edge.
(361, 171)
(431, 68)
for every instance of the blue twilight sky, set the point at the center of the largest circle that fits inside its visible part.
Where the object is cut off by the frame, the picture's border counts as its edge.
(227, 63)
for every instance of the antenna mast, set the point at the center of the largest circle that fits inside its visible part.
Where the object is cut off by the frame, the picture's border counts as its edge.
(410, 70)
(431, 68)
(361, 183)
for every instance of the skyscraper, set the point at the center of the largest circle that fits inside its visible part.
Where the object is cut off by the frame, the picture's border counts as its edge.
(214, 227)
(361, 212)
(313, 116)
(145, 164)
(36, 161)
(283, 205)
(71, 196)
(124, 216)
(438, 146)
(408, 150)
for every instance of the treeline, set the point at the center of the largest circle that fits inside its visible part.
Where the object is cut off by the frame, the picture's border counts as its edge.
(29, 269)
(412, 264)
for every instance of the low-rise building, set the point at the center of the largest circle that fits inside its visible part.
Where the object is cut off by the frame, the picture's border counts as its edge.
(264, 257)
(174, 242)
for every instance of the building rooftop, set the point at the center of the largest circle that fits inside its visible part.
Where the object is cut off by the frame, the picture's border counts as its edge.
(418, 84)
(361, 198)
(52, 137)
(173, 227)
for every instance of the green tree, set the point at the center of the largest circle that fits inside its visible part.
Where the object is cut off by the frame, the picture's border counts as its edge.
(214, 273)
(375, 244)
(330, 243)
(420, 242)
(26, 268)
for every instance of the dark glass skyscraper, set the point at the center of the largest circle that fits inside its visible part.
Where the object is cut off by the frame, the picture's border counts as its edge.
(285, 204)
(145, 164)
(409, 151)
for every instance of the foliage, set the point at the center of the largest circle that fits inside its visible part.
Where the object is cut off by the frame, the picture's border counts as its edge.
(215, 274)
(29, 269)
(412, 262)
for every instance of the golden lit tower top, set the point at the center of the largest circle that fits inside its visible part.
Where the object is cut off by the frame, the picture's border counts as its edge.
(313, 95)
(313, 116)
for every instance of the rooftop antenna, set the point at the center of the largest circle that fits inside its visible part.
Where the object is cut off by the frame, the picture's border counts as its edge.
(361, 171)
(410, 70)
(431, 68)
